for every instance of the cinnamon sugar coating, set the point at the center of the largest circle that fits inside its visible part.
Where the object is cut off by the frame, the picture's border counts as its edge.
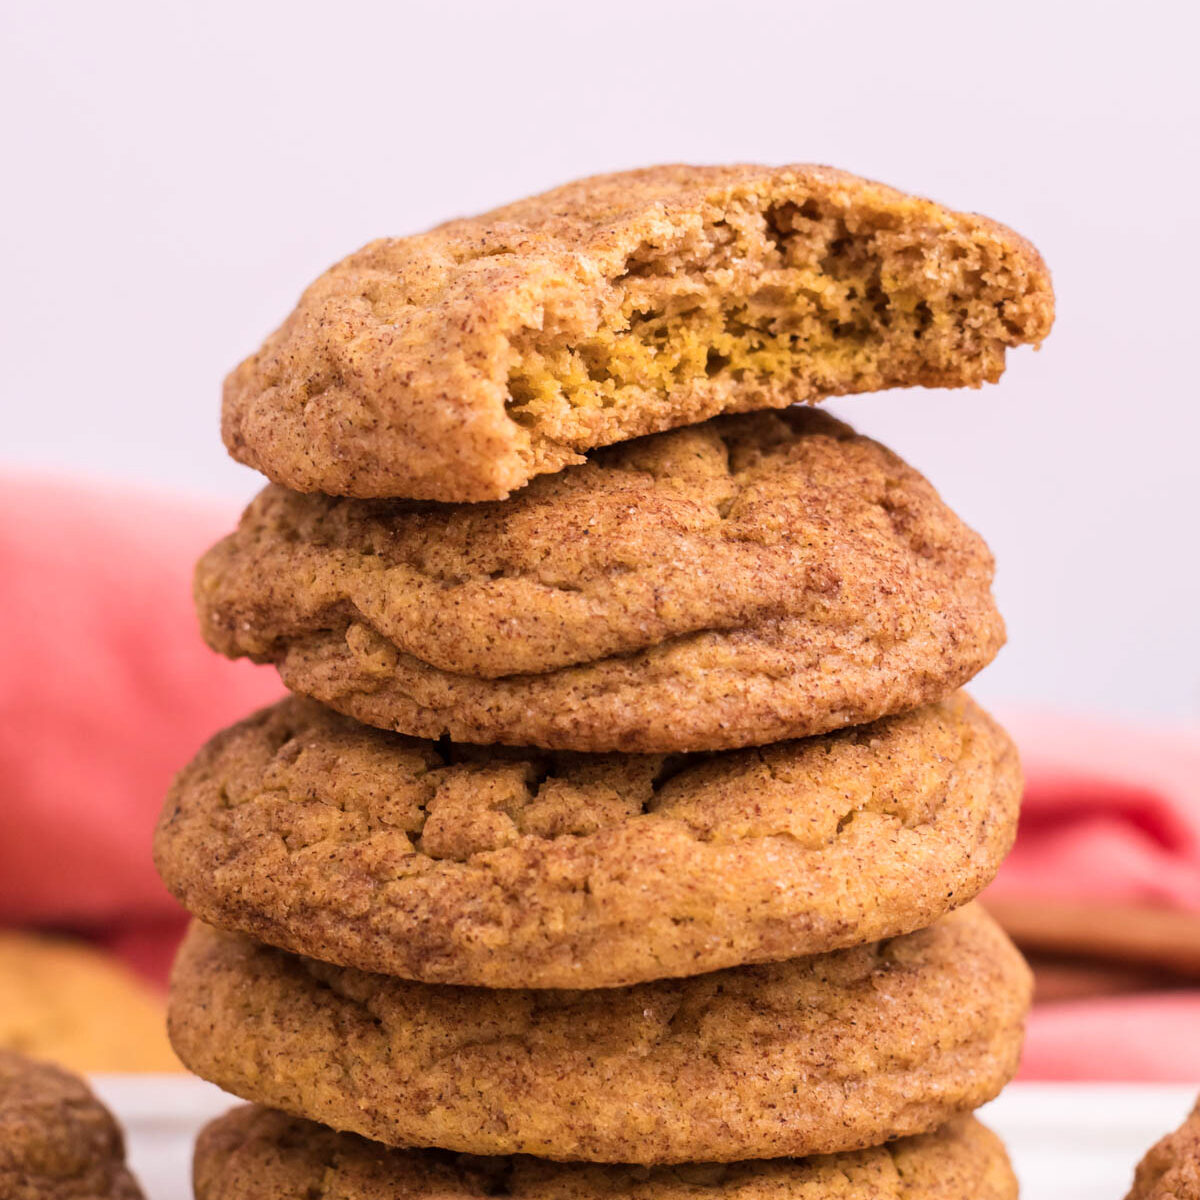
(461, 363)
(744, 581)
(810, 1056)
(515, 868)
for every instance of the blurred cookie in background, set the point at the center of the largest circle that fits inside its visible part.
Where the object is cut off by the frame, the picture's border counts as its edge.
(1171, 1168)
(57, 1141)
(63, 1000)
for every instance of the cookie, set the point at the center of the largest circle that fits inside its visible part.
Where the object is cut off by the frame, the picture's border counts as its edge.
(752, 579)
(1171, 1168)
(63, 1000)
(810, 1056)
(460, 363)
(472, 865)
(57, 1141)
(255, 1153)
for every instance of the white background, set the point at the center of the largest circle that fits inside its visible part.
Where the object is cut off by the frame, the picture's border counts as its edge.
(175, 173)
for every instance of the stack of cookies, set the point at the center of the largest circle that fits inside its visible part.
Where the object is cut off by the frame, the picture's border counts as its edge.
(627, 810)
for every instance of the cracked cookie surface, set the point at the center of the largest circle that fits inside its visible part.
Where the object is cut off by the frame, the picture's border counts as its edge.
(507, 868)
(1171, 1168)
(755, 578)
(460, 363)
(810, 1056)
(57, 1141)
(255, 1153)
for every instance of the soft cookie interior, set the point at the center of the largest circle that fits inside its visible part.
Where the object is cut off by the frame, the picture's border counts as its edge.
(806, 297)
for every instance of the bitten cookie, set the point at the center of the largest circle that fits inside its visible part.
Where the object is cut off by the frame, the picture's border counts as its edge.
(57, 1141)
(504, 868)
(459, 364)
(747, 580)
(811, 1056)
(254, 1153)
(1171, 1168)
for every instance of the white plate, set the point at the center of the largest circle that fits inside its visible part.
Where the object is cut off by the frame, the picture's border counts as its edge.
(1067, 1141)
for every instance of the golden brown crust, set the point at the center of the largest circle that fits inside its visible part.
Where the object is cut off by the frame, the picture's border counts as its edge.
(460, 363)
(57, 1141)
(63, 1000)
(811, 1056)
(468, 865)
(749, 580)
(255, 1153)
(1171, 1168)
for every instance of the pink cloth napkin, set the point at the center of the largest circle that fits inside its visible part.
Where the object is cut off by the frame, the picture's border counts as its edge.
(106, 690)
(1111, 813)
